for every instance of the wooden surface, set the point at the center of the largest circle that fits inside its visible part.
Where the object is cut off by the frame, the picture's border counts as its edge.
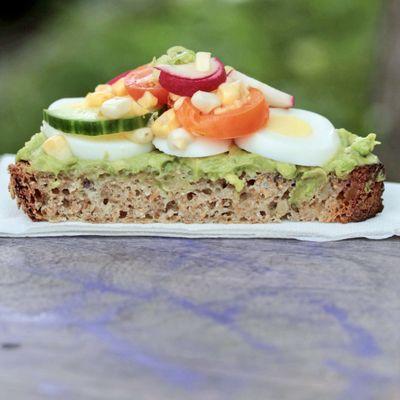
(151, 318)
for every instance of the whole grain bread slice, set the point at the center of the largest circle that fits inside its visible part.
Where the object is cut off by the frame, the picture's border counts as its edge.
(137, 198)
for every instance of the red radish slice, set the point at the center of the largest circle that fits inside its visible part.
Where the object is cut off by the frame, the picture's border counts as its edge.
(185, 79)
(118, 77)
(274, 97)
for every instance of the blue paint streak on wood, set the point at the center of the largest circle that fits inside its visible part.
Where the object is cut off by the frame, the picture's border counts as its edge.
(124, 349)
(131, 353)
(226, 319)
(362, 342)
(128, 351)
(198, 250)
(174, 374)
(93, 284)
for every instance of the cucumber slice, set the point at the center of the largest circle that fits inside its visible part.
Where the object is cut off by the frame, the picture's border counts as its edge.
(86, 121)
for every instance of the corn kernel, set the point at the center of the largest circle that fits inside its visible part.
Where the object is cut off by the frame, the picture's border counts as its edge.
(137, 109)
(103, 88)
(57, 147)
(96, 99)
(235, 105)
(228, 92)
(165, 124)
(119, 88)
(178, 103)
(140, 136)
(148, 100)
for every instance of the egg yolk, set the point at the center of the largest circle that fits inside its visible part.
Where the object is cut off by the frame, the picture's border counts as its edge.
(289, 125)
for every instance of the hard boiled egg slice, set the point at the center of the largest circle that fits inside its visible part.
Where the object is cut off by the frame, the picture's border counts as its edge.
(195, 146)
(294, 136)
(66, 102)
(104, 147)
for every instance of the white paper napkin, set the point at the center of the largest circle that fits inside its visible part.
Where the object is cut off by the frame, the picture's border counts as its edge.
(13, 223)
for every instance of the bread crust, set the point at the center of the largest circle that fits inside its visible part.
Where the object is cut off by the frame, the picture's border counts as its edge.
(139, 199)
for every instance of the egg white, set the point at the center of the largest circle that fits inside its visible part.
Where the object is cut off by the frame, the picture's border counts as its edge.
(315, 149)
(198, 147)
(111, 147)
(65, 102)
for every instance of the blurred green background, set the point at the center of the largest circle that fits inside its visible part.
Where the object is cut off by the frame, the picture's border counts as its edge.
(328, 53)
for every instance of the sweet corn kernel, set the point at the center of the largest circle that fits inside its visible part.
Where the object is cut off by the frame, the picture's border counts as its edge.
(148, 100)
(119, 88)
(96, 99)
(140, 136)
(221, 110)
(137, 109)
(228, 92)
(103, 88)
(178, 103)
(57, 147)
(165, 124)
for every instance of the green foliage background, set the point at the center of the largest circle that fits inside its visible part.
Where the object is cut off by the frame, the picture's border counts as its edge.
(322, 51)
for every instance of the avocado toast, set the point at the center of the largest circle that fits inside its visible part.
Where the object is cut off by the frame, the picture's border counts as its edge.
(188, 139)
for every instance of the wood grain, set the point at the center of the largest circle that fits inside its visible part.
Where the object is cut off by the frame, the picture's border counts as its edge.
(153, 318)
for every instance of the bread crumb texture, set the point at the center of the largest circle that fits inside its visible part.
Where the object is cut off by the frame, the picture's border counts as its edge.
(138, 198)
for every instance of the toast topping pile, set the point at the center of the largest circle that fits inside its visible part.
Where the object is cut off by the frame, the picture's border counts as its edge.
(188, 112)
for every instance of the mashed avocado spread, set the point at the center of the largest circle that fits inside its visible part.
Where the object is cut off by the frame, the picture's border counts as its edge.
(354, 151)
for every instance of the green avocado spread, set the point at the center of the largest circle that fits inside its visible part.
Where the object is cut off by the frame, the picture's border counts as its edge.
(354, 151)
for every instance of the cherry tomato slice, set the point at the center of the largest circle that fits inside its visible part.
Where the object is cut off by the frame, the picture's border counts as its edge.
(140, 80)
(118, 77)
(242, 121)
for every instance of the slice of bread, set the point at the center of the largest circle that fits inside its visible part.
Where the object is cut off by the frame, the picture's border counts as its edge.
(139, 198)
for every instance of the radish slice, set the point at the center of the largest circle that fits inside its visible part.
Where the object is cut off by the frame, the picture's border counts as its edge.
(118, 77)
(274, 97)
(185, 79)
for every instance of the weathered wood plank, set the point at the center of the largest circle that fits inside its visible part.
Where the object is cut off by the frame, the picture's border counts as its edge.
(153, 318)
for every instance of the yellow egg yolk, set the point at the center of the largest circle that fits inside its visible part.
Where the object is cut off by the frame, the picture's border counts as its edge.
(289, 125)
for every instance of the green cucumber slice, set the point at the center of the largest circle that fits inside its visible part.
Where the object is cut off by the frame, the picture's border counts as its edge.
(86, 121)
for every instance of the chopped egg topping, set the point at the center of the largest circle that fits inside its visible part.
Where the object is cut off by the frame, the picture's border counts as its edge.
(289, 135)
(203, 61)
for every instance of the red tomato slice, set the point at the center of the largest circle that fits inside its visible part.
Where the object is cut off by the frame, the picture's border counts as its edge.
(118, 77)
(248, 118)
(140, 80)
